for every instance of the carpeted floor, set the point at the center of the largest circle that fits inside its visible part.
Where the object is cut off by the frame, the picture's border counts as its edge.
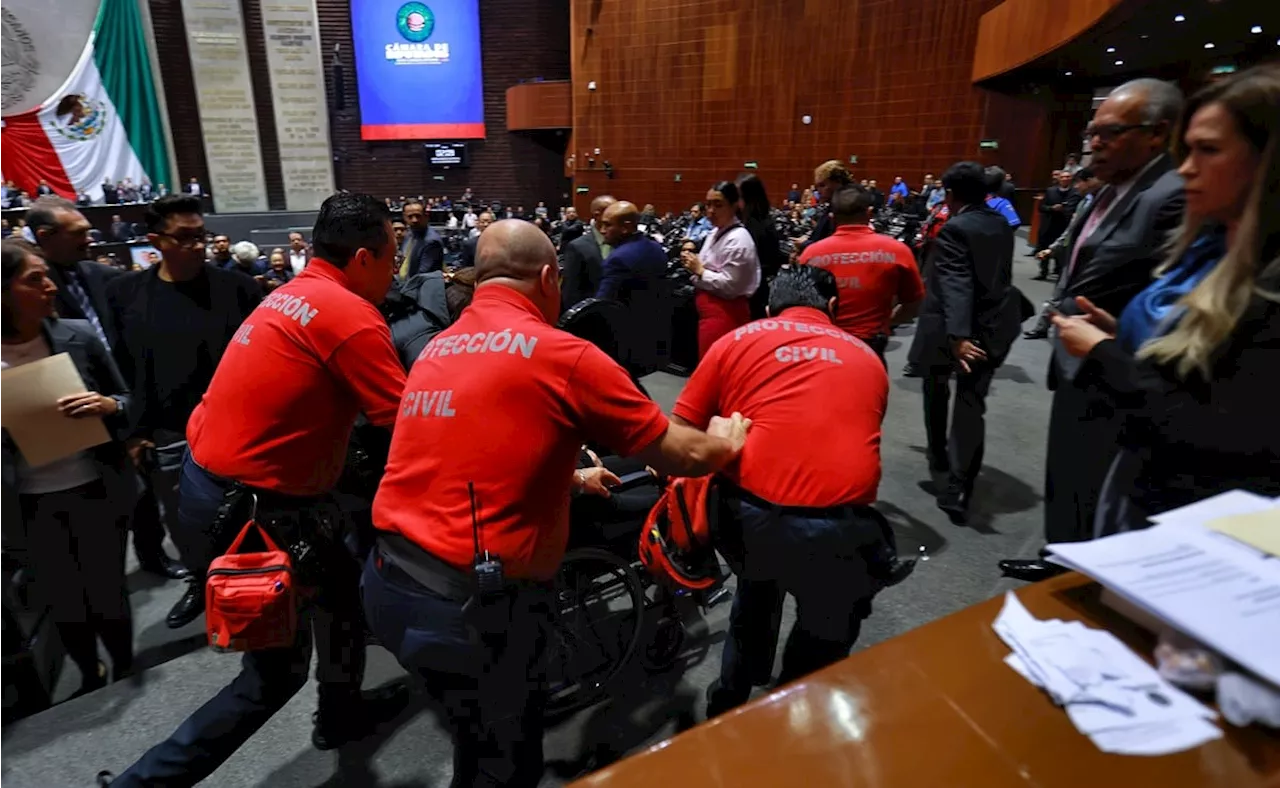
(65, 746)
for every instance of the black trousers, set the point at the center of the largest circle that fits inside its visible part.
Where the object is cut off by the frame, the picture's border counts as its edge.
(1083, 440)
(960, 449)
(878, 343)
(75, 544)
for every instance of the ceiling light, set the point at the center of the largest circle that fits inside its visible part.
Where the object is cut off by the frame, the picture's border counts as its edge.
(1256, 29)
(1179, 18)
(1110, 50)
(1144, 36)
(1119, 62)
(1208, 46)
(1068, 73)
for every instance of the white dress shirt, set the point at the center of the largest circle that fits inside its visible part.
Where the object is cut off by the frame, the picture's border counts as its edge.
(297, 261)
(731, 265)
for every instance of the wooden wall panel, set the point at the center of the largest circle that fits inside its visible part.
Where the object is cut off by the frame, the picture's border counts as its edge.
(699, 87)
(539, 105)
(1019, 31)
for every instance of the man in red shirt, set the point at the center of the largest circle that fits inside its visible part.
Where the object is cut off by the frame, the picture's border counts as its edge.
(482, 463)
(876, 275)
(275, 421)
(795, 513)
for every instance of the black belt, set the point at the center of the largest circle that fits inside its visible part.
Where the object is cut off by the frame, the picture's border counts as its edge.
(407, 559)
(825, 512)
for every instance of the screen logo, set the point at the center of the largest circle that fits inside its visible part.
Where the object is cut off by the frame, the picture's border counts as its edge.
(416, 22)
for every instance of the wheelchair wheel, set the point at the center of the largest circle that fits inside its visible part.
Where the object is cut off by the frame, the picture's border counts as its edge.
(664, 644)
(599, 617)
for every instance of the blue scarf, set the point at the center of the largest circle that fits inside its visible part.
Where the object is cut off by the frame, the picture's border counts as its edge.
(1154, 311)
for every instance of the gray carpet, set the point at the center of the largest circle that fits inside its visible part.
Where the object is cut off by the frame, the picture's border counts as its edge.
(68, 744)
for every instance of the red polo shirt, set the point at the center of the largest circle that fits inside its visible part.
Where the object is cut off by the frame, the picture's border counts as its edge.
(871, 270)
(816, 396)
(279, 411)
(503, 400)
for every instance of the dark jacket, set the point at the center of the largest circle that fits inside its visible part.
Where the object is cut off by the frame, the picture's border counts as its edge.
(1054, 222)
(230, 292)
(572, 231)
(968, 290)
(416, 310)
(428, 251)
(635, 275)
(582, 265)
(769, 249)
(1116, 260)
(467, 256)
(99, 373)
(95, 278)
(1190, 439)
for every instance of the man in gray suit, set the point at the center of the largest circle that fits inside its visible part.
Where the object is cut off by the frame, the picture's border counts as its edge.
(1113, 252)
(582, 263)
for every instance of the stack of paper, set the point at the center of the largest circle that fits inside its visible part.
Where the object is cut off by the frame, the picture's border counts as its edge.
(1214, 587)
(1110, 694)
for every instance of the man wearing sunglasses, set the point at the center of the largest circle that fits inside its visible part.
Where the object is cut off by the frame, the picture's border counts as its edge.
(1111, 254)
(174, 321)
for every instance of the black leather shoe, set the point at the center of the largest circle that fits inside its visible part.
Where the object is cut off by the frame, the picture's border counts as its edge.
(955, 504)
(164, 566)
(104, 779)
(902, 569)
(340, 722)
(1031, 570)
(911, 371)
(1036, 333)
(190, 607)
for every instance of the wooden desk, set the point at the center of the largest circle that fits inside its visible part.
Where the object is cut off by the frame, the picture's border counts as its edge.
(936, 707)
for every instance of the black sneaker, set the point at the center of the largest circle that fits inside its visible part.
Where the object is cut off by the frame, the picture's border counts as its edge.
(104, 779)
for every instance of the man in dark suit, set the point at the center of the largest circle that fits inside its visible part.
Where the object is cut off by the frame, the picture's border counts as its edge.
(467, 257)
(423, 248)
(176, 319)
(1056, 208)
(583, 259)
(62, 233)
(571, 228)
(121, 230)
(635, 275)
(1113, 252)
(43, 189)
(970, 318)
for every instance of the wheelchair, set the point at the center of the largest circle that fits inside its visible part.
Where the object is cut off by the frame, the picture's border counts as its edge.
(610, 610)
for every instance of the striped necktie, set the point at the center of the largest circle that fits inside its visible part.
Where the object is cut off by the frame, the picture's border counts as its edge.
(86, 306)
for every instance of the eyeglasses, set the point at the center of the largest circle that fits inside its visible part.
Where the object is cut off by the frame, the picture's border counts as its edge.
(1109, 132)
(186, 242)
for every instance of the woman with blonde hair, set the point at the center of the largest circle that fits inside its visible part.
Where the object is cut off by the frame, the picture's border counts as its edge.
(1192, 362)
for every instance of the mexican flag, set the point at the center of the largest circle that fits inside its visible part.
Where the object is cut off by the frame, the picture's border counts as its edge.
(103, 123)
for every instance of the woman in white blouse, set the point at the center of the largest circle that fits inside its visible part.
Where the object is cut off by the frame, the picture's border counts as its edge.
(725, 272)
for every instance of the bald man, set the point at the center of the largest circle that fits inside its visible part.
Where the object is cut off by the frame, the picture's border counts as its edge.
(514, 399)
(583, 259)
(635, 275)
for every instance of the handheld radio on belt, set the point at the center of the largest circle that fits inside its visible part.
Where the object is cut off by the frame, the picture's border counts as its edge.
(487, 567)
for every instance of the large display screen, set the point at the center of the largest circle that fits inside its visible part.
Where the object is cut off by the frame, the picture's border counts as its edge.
(418, 69)
(446, 155)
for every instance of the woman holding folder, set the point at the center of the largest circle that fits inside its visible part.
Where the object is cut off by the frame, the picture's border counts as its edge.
(1193, 360)
(65, 521)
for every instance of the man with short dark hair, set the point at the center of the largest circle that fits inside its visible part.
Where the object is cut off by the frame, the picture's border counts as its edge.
(175, 321)
(699, 225)
(423, 248)
(467, 257)
(221, 256)
(1056, 208)
(876, 275)
(275, 424)
(62, 233)
(298, 252)
(969, 320)
(795, 514)
(571, 228)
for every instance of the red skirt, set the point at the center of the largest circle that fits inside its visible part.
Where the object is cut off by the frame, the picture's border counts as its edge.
(718, 316)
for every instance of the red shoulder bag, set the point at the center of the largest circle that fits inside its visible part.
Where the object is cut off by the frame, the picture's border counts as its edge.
(250, 600)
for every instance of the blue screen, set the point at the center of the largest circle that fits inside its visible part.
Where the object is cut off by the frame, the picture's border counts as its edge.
(418, 69)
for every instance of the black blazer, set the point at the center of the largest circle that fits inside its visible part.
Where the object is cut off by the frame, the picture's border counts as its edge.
(99, 372)
(1115, 262)
(1192, 438)
(95, 278)
(968, 289)
(583, 266)
(467, 257)
(129, 295)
